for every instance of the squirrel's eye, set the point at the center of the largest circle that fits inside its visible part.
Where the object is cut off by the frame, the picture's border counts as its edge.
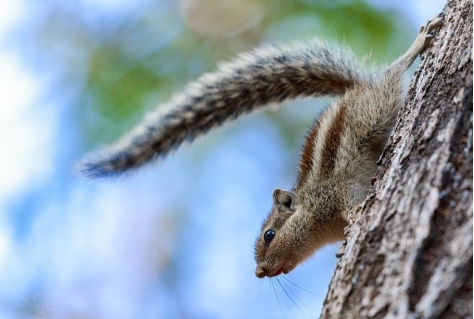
(268, 236)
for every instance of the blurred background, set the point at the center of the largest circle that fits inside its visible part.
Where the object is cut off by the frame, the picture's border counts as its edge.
(175, 239)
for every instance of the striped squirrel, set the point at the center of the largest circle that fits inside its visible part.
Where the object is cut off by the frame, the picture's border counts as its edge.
(339, 154)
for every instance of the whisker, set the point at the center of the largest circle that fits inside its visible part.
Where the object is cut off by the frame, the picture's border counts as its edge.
(278, 298)
(260, 288)
(292, 300)
(251, 226)
(310, 292)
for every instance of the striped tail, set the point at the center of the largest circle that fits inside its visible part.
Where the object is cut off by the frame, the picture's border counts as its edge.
(250, 82)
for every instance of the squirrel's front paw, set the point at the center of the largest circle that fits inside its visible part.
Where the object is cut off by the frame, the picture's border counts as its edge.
(430, 26)
(425, 34)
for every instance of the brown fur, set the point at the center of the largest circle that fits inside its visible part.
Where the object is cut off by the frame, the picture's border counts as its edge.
(331, 145)
(306, 158)
(337, 162)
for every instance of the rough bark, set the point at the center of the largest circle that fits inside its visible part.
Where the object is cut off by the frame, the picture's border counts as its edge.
(408, 251)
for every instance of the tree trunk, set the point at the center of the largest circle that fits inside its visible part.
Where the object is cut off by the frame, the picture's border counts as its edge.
(408, 250)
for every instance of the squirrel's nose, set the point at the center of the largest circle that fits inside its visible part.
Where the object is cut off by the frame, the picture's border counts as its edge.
(261, 272)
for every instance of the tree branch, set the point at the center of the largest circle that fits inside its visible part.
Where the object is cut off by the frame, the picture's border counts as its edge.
(408, 250)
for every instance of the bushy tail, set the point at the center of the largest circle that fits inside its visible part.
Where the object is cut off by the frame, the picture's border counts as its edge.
(248, 83)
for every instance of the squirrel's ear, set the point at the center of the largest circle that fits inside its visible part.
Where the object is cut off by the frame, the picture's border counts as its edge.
(284, 198)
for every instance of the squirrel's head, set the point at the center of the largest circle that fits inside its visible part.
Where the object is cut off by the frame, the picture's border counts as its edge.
(286, 238)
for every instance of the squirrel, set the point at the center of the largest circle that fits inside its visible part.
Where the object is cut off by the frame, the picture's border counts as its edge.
(339, 155)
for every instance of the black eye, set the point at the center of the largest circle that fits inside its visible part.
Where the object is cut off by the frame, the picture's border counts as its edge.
(268, 236)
